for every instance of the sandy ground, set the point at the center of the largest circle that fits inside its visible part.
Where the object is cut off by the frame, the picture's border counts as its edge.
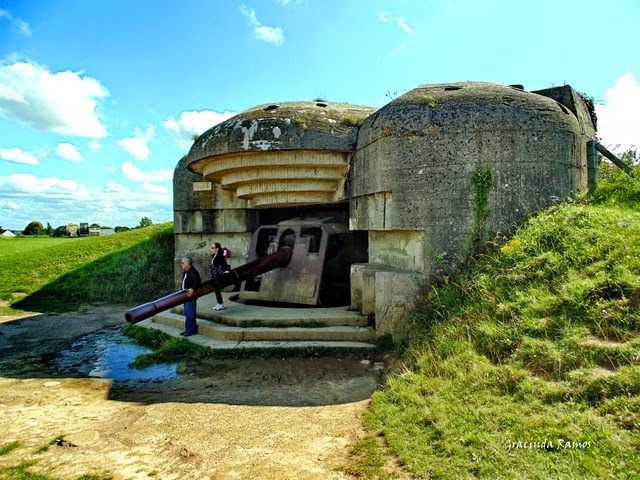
(267, 419)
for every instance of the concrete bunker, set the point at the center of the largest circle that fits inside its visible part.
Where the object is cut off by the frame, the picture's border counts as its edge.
(416, 185)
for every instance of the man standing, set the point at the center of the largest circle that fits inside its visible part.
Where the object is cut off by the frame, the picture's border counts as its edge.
(190, 281)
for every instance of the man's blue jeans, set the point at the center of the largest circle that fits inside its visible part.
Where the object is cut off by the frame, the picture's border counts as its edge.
(190, 325)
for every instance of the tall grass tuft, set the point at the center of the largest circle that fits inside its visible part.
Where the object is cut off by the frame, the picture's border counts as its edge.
(125, 268)
(527, 364)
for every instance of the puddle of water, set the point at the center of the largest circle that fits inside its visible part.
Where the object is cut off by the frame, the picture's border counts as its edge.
(107, 354)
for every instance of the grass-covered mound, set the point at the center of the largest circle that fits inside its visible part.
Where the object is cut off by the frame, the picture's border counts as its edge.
(53, 275)
(526, 365)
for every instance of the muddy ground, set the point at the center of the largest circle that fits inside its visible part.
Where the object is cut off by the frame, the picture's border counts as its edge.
(233, 419)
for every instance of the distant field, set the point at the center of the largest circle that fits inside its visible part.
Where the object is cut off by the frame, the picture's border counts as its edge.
(56, 274)
(11, 247)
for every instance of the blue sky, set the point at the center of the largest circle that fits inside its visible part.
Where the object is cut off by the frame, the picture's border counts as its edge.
(99, 99)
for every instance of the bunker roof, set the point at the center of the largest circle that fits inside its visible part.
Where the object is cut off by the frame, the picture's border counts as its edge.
(316, 125)
(451, 108)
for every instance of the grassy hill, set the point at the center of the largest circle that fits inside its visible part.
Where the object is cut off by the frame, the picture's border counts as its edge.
(527, 364)
(45, 274)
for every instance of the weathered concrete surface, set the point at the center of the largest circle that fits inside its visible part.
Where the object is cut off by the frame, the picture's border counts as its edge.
(278, 155)
(384, 293)
(322, 126)
(395, 296)
(417, 158)
(204, 216)
(222, 337)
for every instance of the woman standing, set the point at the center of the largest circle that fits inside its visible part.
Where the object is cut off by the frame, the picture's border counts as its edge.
(219, 266)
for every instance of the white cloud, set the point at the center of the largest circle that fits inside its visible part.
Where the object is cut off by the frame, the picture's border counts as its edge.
(95, 145)
(267, 34)
(191, 124)
(384, 17)
(9, 205)
(62, 102)
(404, 25)
(17, 155)
(68, 152)
(112, 186)
(112, 169)
(28, 185)
(60, 202)
(17, 24)
(618, 119)
(138, 145)
(132, 172)
(150, 187)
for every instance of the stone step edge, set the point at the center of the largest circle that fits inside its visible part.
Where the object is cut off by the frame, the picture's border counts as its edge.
(226, 332)
(347, 319)
(217, 344)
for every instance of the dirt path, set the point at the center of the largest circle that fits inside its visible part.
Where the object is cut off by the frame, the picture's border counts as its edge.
(267, 419)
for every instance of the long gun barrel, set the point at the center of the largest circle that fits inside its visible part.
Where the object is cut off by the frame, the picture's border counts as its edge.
(278, 259)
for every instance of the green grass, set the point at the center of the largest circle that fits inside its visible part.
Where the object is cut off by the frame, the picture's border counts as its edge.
(22, 472)
(527, 364)
(11, 248)
(8, 448)
(167, 349)
(353, 121)
(54, 274)
(24, 469)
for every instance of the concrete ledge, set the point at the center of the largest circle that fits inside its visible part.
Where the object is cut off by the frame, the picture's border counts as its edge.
(222, 344)
(226, 332)
(395, 295)
(246, 316)
(250, 326)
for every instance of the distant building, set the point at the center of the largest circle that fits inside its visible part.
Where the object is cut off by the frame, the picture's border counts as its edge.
(8, 234)
(70, 230)
(101, 231)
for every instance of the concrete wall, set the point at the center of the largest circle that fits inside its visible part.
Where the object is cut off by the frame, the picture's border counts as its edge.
(417, 159)
(204, 213)
(441, 169)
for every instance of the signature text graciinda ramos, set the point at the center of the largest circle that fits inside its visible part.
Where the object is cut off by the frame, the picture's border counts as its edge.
(559, 444)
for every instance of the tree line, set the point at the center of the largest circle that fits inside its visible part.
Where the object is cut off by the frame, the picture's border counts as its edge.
(72, 229)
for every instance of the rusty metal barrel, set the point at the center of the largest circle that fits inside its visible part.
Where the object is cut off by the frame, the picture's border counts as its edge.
(278, 259)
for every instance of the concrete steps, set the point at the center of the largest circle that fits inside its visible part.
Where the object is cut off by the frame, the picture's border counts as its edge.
(250, 326)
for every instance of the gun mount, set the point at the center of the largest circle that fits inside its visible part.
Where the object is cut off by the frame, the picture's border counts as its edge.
(280, 258)
(323, 250)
